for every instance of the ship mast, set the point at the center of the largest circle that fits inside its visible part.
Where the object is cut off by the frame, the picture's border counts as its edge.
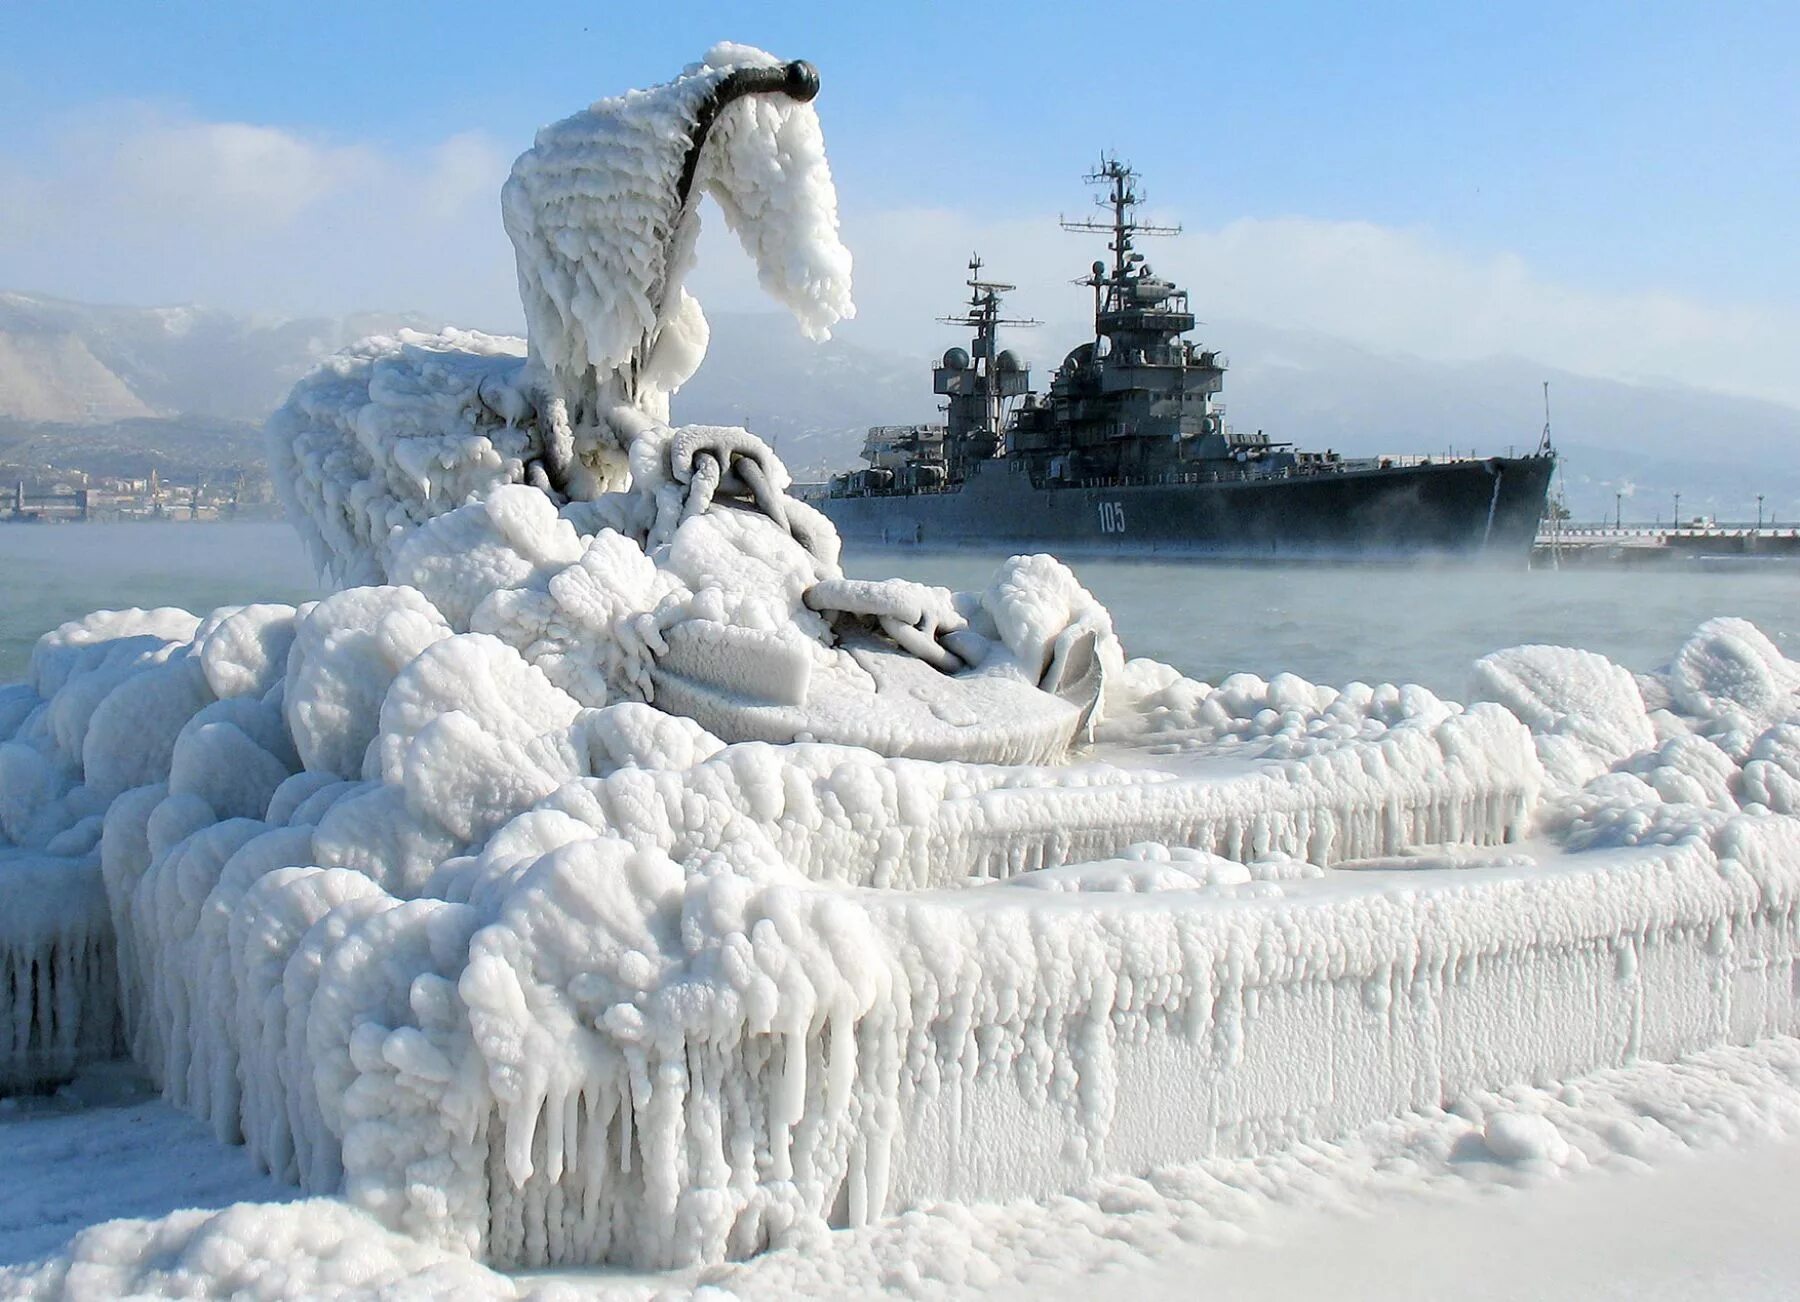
(1122, 198)
(979, 382)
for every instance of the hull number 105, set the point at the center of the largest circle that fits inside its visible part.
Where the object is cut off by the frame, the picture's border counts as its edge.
(1112, 517)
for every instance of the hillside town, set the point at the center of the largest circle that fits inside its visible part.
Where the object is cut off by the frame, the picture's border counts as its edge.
(49, 494)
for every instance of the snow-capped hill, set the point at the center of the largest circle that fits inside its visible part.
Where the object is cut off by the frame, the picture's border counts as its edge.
(87, 364)
(53, 376)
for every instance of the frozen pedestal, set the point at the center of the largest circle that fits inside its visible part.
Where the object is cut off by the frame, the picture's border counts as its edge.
(1036, 1039)
(1346, 1002)
(549, 983)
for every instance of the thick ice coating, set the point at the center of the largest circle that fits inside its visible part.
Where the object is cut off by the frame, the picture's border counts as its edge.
(535, 494)
(548, 982)
(603, 212)
(597, 874)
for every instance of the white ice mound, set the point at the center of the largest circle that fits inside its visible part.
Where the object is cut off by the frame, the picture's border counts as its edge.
(392, 432)
(1733, 679)
(256, 1252)
(597, 874)
(1587, 712)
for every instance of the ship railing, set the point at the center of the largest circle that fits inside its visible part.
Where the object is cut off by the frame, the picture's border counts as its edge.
(1185, 477)
(1230, 476)
(900, 491)
(1303, 470)
(1398, 459)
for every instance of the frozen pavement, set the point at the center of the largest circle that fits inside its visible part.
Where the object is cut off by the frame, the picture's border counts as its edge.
(1712, 1224)
(107, 1147)
(1659, 1181)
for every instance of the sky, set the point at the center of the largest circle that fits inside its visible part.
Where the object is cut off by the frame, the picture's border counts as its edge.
(1610, 188)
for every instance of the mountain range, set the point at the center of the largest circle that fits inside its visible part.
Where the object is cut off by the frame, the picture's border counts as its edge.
(185, 388)
(118, 390)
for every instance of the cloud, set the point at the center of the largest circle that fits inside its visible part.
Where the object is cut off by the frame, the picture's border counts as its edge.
(134, 203)
(1387, 289)
(224, 176)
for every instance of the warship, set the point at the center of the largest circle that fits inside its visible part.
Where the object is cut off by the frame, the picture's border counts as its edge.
(1128, 450)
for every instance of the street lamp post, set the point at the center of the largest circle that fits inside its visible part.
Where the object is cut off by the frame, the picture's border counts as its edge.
(1759, 502)
(1618, 511)
(1678, 511)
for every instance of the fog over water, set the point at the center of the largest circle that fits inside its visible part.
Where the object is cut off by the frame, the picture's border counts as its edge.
(1421, 624)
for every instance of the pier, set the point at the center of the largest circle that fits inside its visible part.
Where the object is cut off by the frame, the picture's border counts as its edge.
(1612, 543)
(21, 505)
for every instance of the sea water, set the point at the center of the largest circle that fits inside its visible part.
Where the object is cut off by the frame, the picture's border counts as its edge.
(1424, 623)
(1330, 624)
(54, 572)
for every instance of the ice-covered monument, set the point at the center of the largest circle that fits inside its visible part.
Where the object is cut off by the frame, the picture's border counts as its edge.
(597, 874)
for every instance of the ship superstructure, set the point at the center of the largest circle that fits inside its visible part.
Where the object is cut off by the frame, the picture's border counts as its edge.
(1128, 447)
(1138, 400)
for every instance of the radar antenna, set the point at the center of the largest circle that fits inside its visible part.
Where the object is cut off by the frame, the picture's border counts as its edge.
(1112, 288)
(1122, 197)
(984, 302)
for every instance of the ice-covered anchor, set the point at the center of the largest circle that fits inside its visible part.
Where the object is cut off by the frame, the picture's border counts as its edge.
(403, 462)
(759, 636)
(899, 667)
(953, 634)
(923, 621)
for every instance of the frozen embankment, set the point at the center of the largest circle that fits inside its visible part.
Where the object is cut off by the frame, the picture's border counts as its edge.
(597, 874)
(555, 983)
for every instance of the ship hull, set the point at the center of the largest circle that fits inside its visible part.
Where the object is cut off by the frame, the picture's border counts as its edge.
(1489, 508)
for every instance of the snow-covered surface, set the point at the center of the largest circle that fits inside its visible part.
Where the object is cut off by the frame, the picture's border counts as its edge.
(597, 875)
(103, 1148)
(545, 982)
(1295, 1224)
(1676, 1182)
